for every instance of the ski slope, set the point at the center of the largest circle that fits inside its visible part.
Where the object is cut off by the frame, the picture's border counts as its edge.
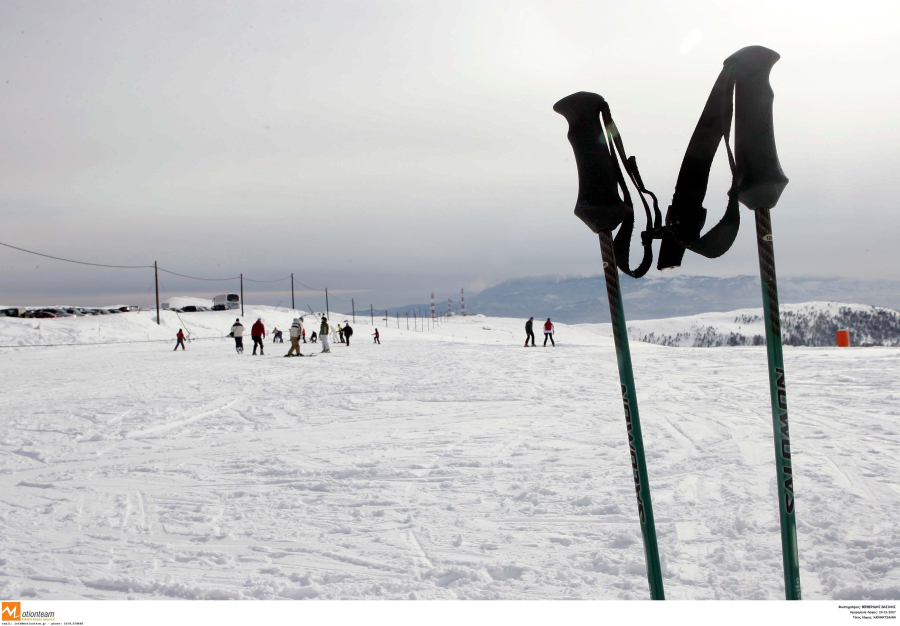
(446, 464)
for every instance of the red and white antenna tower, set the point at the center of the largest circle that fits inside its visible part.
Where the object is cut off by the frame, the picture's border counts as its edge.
(462, 300)
(432, 305)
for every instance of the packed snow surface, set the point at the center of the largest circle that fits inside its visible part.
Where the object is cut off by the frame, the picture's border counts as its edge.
(445, 463)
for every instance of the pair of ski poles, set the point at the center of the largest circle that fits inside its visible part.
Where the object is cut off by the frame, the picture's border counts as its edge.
(758, 183)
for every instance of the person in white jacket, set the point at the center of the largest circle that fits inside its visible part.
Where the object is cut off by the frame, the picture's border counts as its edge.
(295, 332)
(237, 331)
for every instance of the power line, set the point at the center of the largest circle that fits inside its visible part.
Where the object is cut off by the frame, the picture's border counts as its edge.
(277, 280)
(134, 267)
(197, 277)
(48, 256)
(307, 286)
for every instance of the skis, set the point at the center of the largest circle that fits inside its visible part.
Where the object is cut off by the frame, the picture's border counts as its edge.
(632, 418)
(783, 469)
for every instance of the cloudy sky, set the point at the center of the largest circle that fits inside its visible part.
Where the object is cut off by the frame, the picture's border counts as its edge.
(387, 149)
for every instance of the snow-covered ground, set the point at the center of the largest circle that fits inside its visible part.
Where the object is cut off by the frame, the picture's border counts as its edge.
(443, 464)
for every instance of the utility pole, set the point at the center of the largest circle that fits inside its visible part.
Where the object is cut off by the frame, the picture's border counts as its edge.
(415, 321)
(293, 306)
(372, 313)
(327, 311)
(407, 320)
(353, 304)
(242, 294)
(156, 273)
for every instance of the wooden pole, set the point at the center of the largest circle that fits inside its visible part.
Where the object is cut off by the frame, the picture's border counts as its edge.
(156, 273)
(327, 310)
(372, 313)
(353, 304)
(293, 306)
(242, 294)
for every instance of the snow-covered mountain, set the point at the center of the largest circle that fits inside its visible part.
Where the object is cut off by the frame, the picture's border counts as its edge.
(583, 300)
(808, 324)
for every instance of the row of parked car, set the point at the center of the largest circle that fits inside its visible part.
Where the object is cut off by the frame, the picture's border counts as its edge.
(197, 309)
(63, 312)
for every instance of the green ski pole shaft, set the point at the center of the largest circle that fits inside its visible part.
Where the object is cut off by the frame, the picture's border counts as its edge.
(783, 466)
(632, 418)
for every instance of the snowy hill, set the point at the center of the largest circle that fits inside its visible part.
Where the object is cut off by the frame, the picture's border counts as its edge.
(808, 324)
(448, 463)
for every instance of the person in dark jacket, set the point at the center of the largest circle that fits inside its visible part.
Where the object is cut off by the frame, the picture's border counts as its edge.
(324, 331)
(377, 337)
(258, 331)
(529, 331)
(180, 341)
(348, 332)
(313, 338)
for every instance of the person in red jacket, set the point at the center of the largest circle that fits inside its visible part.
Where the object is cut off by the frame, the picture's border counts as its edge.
(180, 341)
(548, 333)
(258, 331)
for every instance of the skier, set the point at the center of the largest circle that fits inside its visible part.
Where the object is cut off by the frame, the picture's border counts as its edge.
(237, 331)
(296, 330)
(313, 337)
(180, 341)
(324, 329)
(302, 331)
(529, 331)
(377, 337)
(548, 333)
(340, 333)
(276, 336)
(257, 332)
(348, 332)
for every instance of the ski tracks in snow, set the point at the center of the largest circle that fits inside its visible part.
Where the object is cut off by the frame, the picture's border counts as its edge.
(424, 468)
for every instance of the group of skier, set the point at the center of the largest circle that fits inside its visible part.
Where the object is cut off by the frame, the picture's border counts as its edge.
(548, 332)
(297, 333)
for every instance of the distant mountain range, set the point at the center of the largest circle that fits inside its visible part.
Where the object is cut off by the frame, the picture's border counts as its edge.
(583, 300)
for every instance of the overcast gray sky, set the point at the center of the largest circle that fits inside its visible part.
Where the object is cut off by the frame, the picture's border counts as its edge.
(387, 149)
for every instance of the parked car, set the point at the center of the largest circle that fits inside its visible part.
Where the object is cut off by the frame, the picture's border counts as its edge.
(219, 307)
(190, 309)
(128, 309)
(11, 312)
(40, 314)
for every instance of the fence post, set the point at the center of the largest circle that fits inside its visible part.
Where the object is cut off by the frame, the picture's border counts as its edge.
(156, 274)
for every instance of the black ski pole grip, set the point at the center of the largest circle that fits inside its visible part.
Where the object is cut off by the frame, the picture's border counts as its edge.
(599, 204)
(759, 177)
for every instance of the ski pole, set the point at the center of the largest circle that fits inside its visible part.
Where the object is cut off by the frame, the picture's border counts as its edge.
(759, 183)
(783, 468)
(632, 417)
(602, 209)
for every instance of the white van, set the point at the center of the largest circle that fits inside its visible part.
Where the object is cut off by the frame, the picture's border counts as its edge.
(228, 300)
